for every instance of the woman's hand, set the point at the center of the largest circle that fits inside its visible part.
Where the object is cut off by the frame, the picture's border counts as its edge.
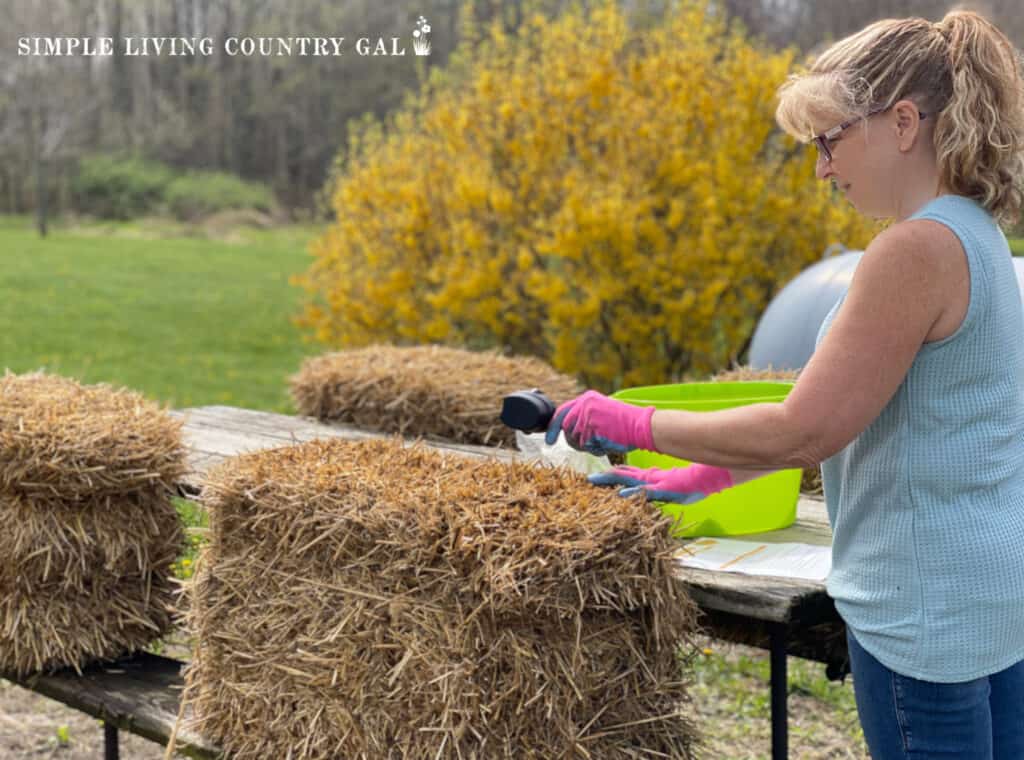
(601, 425)
(682, 485)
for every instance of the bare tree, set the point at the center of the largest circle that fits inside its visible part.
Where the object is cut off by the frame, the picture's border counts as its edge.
(283, 119)
(809, 23)
(45, 99)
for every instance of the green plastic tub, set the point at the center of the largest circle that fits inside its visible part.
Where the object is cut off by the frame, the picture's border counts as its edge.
(759, 505)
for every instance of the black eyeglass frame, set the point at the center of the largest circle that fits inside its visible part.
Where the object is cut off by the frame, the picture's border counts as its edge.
(821, 141)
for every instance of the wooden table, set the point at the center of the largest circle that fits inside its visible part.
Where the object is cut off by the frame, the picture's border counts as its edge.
(784, 616)
(140, 694)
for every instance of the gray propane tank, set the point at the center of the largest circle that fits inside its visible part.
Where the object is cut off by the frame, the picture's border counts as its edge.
(784, 337)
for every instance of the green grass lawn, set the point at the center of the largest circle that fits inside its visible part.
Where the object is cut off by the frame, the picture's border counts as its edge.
(1017, 246)
(184, 320)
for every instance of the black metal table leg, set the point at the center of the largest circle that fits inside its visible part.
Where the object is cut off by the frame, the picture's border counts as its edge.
(780, 727)
(110, 748)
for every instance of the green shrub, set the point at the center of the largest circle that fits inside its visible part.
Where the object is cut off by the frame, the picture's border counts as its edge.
(112, 187)
(199, 193)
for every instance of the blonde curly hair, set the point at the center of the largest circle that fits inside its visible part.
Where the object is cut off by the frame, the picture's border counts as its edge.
(962, 68)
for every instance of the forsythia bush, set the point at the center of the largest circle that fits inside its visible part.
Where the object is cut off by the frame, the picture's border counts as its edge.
(619, 203)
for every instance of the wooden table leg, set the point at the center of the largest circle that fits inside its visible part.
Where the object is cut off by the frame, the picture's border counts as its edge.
(779, 683)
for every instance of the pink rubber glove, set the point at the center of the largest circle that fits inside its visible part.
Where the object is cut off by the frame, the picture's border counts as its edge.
(682, 485)
(600, 425)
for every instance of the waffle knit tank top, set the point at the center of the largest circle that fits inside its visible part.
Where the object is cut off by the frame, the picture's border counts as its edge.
(927, 503)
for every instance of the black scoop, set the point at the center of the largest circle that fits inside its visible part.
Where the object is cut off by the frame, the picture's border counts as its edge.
(529, 411)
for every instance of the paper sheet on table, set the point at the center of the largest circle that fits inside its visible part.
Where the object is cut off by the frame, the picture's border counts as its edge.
(804, 561)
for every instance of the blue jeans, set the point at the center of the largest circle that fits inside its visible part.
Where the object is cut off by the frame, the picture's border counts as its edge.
(907, 719)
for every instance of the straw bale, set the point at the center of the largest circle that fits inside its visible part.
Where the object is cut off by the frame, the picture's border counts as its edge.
(745, 373)
(810, 482)
(428, 391)
(51, 627)
(367, 600)
(90, 530)
(50, 542)
(86, 582)
(76, 441)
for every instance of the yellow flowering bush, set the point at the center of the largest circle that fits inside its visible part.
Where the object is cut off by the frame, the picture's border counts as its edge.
(617, 202)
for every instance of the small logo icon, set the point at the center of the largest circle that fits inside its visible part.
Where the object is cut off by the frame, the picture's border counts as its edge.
(420, 43)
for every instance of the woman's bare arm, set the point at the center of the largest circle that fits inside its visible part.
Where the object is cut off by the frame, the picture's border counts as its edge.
(899, 291)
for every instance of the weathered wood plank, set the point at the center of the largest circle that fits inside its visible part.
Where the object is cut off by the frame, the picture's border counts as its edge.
(139, 694)
(292, 429)
(769, 598)
(759, 597)
(216, 432)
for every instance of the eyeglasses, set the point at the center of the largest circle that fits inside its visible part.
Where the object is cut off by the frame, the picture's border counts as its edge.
(822, 141)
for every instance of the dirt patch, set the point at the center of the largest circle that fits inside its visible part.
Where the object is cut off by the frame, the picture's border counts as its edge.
(33, 726)
(230, 226)
(226, 221)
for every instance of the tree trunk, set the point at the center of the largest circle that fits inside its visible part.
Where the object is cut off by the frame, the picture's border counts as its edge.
(120, 80)
(40, 172)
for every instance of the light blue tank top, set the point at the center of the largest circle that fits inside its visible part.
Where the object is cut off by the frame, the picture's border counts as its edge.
(927, 503)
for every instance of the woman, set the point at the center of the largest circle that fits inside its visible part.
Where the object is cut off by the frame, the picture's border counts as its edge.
(913, 401)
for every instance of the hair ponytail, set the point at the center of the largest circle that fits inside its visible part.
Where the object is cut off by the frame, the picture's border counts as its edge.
(979, 134)
(963, 69)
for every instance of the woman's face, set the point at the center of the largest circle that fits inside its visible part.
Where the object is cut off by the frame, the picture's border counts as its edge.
(861, 166)
(876, 162)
